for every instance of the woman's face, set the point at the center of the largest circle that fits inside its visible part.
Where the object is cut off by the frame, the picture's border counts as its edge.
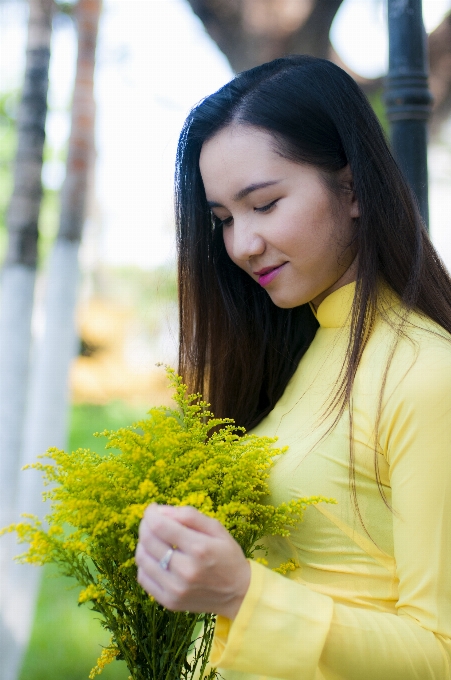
(281, 224)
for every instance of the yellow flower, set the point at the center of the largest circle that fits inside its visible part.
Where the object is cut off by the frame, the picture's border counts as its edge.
(180, 456)
(92, 592)
(108, 655)
(284, 568)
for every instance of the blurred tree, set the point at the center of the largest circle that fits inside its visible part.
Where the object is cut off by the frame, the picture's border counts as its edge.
(8, 106)
(46, 413)
(16, 304)
(440, 66)
(250, 32)
(49, 391)
(46, 422)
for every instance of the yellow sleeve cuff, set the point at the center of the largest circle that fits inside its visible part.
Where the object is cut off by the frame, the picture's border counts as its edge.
(279, 631)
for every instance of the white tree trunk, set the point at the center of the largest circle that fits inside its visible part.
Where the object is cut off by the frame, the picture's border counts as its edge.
(46, 422)
(16, 304)
(48, 402)
(18, 276)
(46, 425)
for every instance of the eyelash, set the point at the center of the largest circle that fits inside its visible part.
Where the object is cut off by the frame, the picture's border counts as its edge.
(265, 208)
(228, 220)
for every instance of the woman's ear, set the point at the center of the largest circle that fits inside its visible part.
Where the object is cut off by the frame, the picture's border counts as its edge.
(347, 182)
(355, 208)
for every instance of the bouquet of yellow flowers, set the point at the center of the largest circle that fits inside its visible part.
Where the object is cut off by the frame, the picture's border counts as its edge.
(179, 456)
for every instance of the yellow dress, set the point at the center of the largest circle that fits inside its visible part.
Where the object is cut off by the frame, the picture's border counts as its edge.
(356, 608)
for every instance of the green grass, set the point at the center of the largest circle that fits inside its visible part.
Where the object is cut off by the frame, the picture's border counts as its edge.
(89, 418)
(66, 639)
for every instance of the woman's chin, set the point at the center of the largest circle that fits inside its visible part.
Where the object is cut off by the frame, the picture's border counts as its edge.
(286, 301)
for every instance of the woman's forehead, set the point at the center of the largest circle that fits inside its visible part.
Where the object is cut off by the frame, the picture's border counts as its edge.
(240, 153)
(236, 136)
(240, 159)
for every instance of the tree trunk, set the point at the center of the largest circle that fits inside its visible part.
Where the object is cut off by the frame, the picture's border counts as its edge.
(440, 71)
(49, 392)
(16, 302)
(48, 407)
(250, 32)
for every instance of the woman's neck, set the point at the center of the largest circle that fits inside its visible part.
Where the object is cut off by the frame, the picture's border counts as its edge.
(348, 276)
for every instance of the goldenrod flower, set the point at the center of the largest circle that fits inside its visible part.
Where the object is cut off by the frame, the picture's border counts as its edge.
(108, 655)
(180, 456)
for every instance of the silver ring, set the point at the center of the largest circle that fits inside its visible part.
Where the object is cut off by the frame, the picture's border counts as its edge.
(164, 562)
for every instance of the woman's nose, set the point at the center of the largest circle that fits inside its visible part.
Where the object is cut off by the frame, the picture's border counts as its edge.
(245, 242)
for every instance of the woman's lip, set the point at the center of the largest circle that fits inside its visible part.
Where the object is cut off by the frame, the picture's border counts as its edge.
(268, 274)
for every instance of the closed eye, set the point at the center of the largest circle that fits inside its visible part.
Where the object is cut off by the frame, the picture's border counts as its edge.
(266, 208)
(226, 222)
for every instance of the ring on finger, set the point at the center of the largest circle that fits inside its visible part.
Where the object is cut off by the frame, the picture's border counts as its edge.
(165, 560)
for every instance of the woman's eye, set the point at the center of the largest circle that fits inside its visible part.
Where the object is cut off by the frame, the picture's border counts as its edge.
(227, 221)
(267, 207)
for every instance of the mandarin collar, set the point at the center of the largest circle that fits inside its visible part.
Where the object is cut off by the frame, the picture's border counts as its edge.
(335, 310)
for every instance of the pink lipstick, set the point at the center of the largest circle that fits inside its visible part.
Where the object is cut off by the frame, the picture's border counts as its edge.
(268, 274)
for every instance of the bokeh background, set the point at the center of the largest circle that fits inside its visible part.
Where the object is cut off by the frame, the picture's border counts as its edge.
(155, 59)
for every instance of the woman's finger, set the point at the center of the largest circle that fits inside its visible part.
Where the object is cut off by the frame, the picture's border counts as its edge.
(193, 519)
(206, 572)
(151, 551)
(153, 544)
(149, 585)
(166, 585)
(168, 530)
(164, 577)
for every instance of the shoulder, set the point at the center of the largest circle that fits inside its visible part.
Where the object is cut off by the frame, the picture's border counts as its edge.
(421, 363)
(416, 350)
(416, 400)
(407, 356)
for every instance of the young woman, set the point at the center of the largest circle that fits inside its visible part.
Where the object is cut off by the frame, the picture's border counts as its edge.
(314, 308)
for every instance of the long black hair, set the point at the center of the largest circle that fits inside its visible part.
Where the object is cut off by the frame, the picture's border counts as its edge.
(236, 346)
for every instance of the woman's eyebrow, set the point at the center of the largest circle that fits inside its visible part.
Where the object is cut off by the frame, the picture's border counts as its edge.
(245, 192)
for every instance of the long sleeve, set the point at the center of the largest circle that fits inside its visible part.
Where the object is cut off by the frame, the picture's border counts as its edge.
(286, 630)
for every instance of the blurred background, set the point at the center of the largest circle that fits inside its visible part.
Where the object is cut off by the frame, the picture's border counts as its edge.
(95, 242)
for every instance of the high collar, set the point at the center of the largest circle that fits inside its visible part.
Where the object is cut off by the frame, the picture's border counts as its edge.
(335, 310)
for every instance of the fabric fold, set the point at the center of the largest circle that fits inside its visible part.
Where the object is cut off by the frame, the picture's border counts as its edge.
(280, 629)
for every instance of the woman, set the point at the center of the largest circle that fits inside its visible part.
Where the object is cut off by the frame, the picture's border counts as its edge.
(314, 308)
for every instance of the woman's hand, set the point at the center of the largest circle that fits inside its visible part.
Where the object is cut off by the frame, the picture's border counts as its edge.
(207, 571)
